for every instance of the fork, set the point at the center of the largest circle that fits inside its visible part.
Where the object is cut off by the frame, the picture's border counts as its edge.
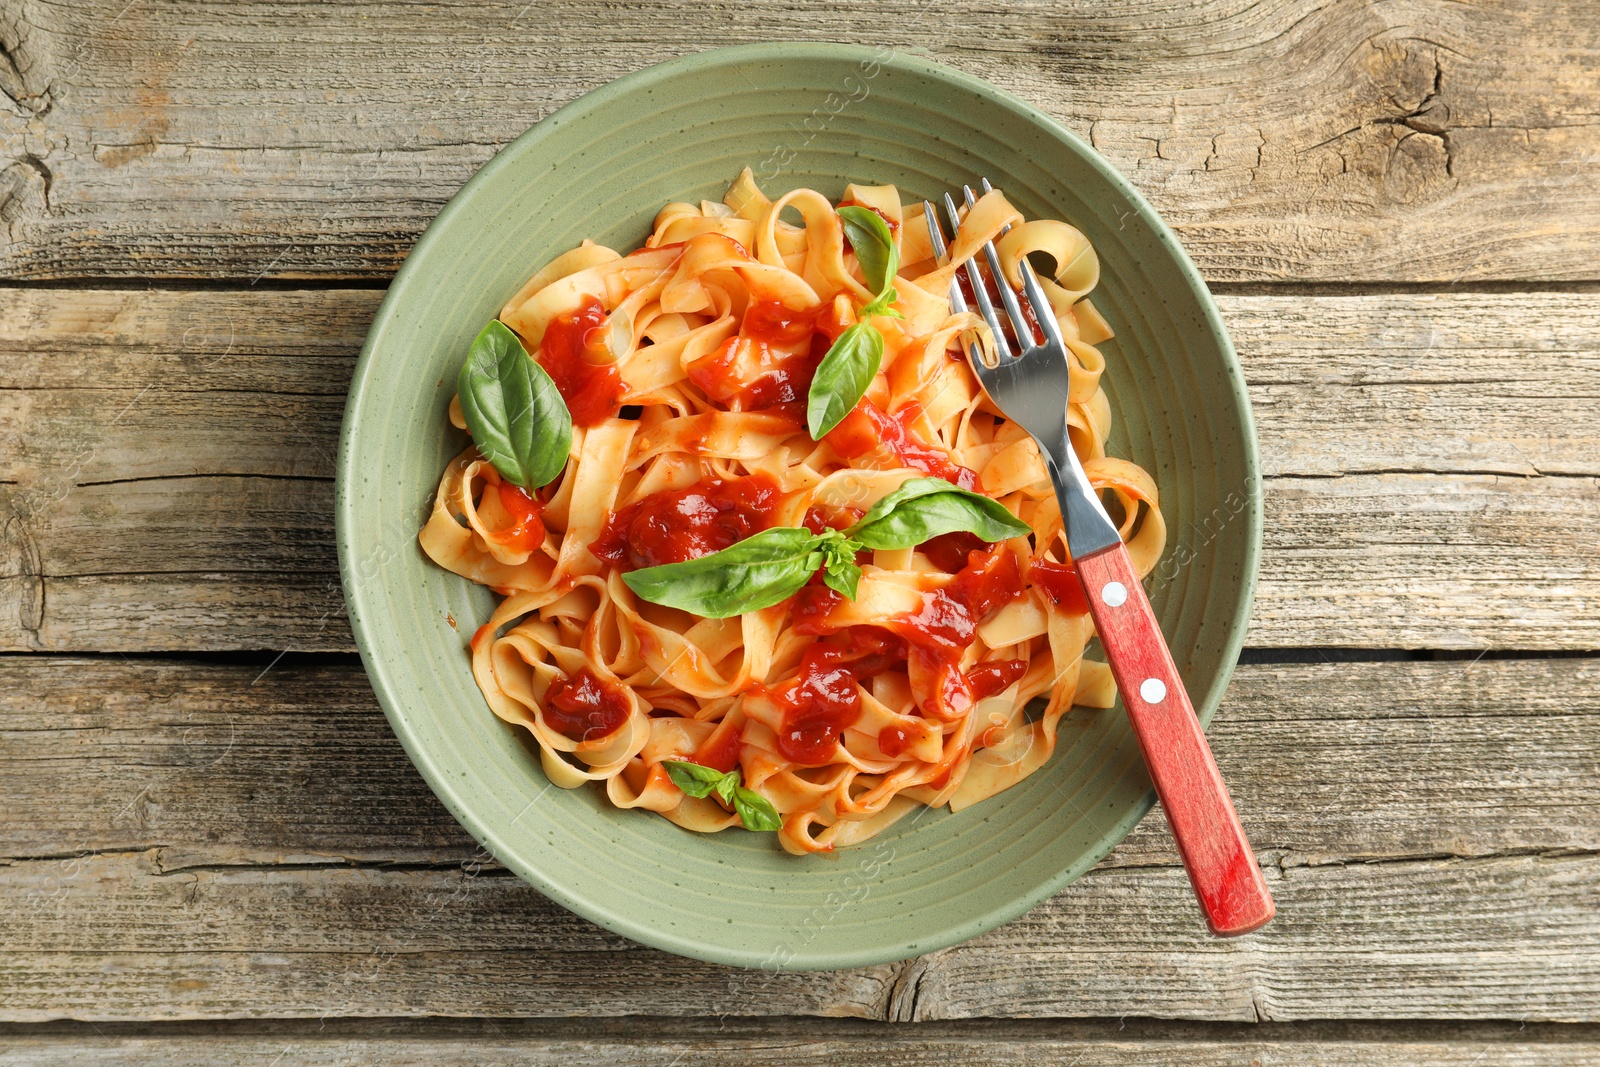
(1030, 387)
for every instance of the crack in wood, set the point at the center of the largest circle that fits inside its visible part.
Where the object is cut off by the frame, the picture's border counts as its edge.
(1222, 175)
(24, 562)
(17, 66)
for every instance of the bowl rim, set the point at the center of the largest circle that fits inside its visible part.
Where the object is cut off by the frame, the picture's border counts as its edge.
(346, 501)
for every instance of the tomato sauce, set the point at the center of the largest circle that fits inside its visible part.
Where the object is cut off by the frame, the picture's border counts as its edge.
(682, 524)
(1033, 321)
(817, 710)
(949, 617)
(893, 740)
(526, 532)
(593, 390)
(585, 707)
(869, 428)
(947, 622)
(772, 359)
(721, 750)
(949, 551)
(993, 677)
(776, 325)
(1059, 582)
(820, 517)
(964, 280)
(941, 630)
(824, 701)
(812, 606)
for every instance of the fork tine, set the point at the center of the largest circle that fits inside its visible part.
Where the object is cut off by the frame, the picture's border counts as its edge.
(935, 231)
(1042, 309)
(958, 300)
(1019, 323)
(981, 292)
(951, 213)
(1002, 347)
(989, 189)
(1041, 304)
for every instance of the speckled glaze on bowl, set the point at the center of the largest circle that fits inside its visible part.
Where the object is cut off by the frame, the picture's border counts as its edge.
(801, 115)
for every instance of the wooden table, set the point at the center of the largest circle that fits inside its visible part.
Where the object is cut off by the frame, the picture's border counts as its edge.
(215, 851)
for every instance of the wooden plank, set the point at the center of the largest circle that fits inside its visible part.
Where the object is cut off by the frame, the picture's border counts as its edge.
(1418, 140)
(1480, 383)
(183, 611)
(239, 849)
(1431, 458)
(104, 385)
(210, 765)
(1419, 561)
(1447, 940)
(114, 936)
(1428, 561)
(113, 385)
(780, 1043)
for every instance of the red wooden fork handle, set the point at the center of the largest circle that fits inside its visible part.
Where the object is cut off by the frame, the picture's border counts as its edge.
(1232, 892)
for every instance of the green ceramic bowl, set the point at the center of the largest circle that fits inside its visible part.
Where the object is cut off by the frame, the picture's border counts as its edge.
(800, 115)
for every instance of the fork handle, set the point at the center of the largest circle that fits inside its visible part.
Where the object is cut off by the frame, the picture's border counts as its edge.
(1226, 879)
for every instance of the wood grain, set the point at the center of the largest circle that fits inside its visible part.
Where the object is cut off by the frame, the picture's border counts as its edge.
(113, 384)
(204, 841)
(1437, 930)
(1420, 140)
(116, 936)
(1394, 560)
(1459, 383)
(1431, 460)
(780, 1043)
(214, 765)
(258, 846)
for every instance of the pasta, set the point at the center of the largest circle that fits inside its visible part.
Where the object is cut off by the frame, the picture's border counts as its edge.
(686, 367)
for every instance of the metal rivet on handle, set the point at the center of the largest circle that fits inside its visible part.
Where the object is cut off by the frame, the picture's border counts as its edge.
(1115, 594)
(1154, 690)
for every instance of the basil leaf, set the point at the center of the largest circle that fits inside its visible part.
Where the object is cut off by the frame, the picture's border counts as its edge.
(756, 573)
(843, 578)
(910, 489)
(880, 306)
(755, 810)
(697, 780)
(842, 377)
(515, 413)
(840, 572)
(924, 508)
(874, 246)
(846, 371)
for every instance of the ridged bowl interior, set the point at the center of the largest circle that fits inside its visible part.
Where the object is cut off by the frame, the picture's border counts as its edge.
(800, 115)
